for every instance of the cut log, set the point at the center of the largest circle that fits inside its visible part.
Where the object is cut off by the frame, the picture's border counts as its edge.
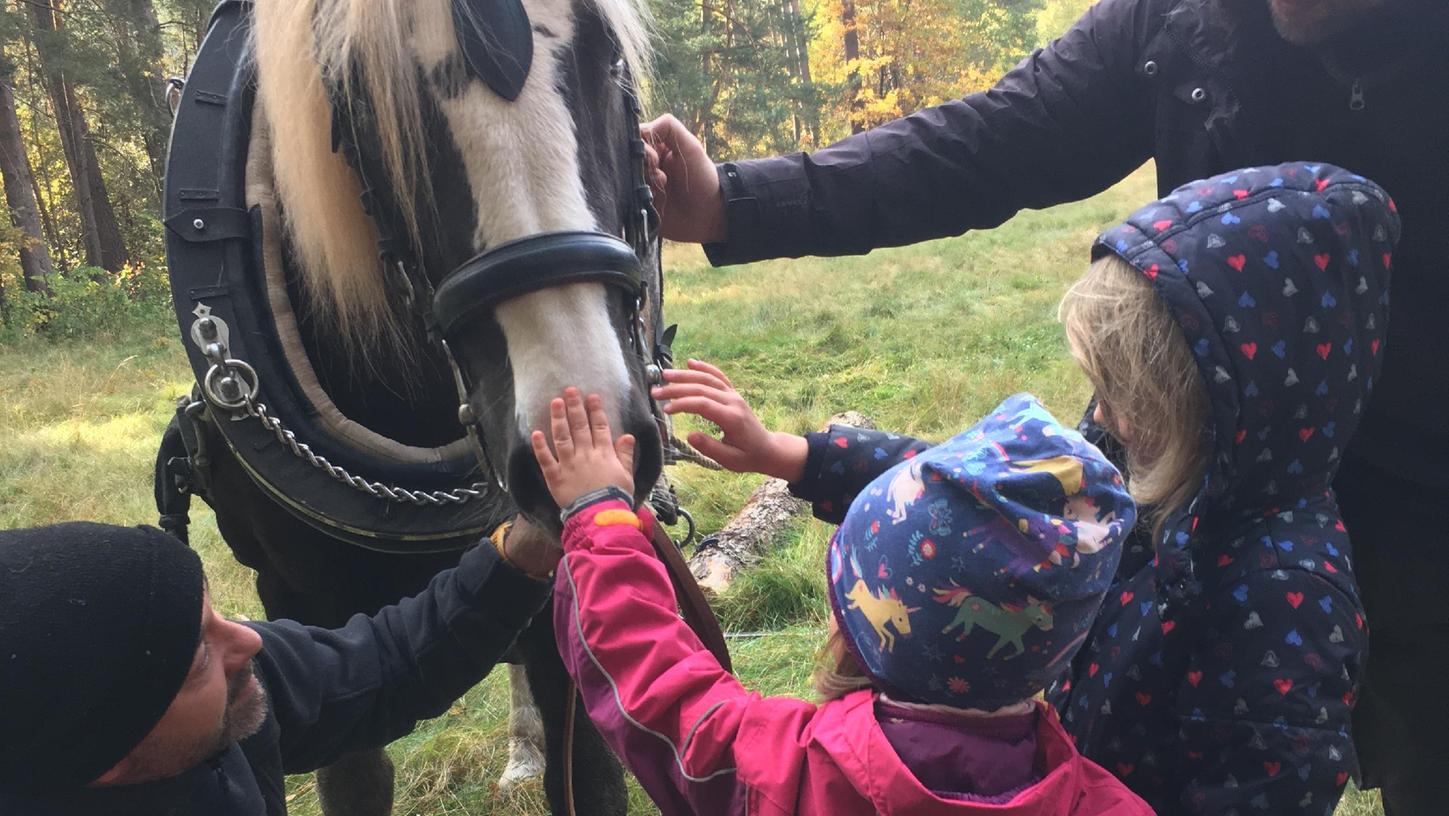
(755, 528)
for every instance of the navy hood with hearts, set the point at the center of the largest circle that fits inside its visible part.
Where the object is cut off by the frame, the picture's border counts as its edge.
(1220, 674)
(1279, 279)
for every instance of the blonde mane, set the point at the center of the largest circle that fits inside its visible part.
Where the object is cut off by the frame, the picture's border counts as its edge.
(359, 43)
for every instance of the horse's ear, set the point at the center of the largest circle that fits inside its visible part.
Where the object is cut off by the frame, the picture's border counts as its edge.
(496, 40)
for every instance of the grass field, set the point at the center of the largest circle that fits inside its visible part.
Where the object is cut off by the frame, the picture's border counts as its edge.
(922, 339)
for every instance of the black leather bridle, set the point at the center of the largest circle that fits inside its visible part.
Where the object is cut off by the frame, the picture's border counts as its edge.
(530, 264)
(233, 332)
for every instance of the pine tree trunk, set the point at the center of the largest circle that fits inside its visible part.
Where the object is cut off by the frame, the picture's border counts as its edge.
(52, 235)
(703, 124)
(802, 43)
(41, 182)
(20, 190)
(852, 53)
(797, 50)
(139, 51)
(103, 243)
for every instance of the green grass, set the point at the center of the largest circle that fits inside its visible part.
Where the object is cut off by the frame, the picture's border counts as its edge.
(922, 339)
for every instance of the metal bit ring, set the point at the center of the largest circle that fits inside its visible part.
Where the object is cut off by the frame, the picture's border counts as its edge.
(215, 384)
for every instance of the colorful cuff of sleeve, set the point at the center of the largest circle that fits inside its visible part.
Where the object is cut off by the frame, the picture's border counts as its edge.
(609, 493)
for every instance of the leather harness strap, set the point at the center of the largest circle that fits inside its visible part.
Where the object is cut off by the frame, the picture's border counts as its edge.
(540, 261)
(697, 615)
(697, 612)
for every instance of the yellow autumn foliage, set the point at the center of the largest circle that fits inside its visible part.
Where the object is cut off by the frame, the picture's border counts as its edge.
(911, 54)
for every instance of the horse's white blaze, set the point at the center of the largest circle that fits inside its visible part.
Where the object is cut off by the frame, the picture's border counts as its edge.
(557, 338)
(522, 164)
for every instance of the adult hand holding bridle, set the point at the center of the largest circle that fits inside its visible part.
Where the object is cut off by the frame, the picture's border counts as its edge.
(528, 548)
(684, 181)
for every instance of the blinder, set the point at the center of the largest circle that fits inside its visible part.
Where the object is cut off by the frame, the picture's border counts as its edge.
(496, 42)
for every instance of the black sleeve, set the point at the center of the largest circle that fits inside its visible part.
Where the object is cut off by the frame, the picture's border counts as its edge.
(368, 683)
(842, 461)
(1068, 122)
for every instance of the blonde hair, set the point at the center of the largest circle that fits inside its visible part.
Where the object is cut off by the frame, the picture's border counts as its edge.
(838, 672)
(1147, 381)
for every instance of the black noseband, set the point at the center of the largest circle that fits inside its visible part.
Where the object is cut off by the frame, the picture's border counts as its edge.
(517, 268)
(529, 265)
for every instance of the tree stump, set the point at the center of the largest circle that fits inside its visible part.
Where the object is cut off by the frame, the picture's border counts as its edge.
(747, 537)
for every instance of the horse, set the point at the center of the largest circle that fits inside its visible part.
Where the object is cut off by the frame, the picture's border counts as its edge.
(396, 229)
(881, 610)
(1009, 622)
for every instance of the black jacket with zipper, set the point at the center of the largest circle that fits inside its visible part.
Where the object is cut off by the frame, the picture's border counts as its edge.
(1202, 87)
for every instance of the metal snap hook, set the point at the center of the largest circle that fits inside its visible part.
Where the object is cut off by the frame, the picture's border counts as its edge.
(174, 87)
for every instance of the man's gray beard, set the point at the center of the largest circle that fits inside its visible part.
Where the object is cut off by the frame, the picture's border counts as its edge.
(244, 718)
(241, 719)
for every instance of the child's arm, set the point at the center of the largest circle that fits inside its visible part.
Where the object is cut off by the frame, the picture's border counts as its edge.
(661, 701)
(826, 469)
(843, 460)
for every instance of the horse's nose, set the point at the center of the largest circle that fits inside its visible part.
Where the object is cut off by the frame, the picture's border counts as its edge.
(525, 479)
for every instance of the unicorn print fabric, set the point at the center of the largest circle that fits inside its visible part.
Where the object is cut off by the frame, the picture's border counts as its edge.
(1220, 675)
(1005, 536)
(699, 742)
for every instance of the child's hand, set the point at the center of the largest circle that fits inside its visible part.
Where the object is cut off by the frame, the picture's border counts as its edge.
(746, 446)
(587, 457)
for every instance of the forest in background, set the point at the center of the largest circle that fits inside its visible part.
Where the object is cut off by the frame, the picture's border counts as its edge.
(85, 117)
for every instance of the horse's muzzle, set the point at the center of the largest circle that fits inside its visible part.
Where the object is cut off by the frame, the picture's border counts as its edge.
(514, 269)
(525, 480)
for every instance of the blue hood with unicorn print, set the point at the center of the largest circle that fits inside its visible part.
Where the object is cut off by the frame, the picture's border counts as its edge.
(968, 574)
(1221, 671)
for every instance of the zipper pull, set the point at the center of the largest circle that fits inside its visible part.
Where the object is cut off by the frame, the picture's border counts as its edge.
(1355, 95)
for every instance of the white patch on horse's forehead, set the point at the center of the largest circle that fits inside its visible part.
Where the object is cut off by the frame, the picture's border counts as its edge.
(522, 162)
(522, 156)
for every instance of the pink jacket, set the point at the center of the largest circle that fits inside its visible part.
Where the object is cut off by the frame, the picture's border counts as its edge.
(699, 742)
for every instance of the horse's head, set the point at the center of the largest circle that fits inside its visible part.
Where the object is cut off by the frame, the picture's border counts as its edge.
(472, 125)
(901, 617)
(1039, 613)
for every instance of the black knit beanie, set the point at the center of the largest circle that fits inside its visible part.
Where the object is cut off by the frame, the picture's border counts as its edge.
(98, 629)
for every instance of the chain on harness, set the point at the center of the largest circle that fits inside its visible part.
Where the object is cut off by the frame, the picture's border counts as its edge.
(231, 384)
